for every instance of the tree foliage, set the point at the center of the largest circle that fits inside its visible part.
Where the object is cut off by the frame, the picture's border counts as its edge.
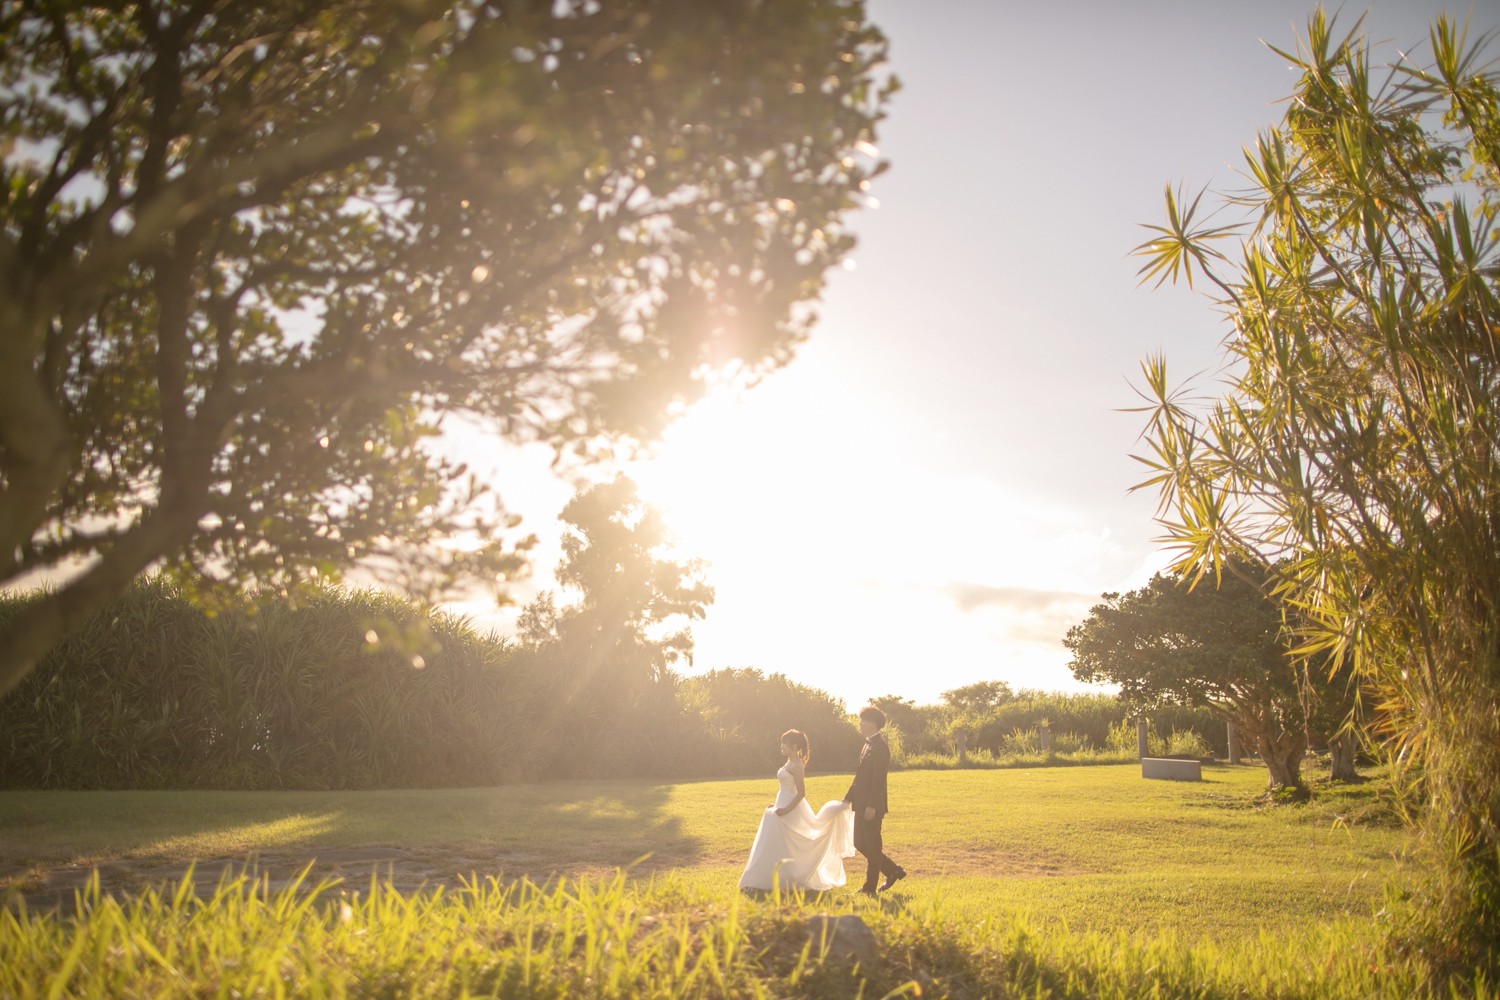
(1220, 646)
(618, 561)
(250, 252)
(611, 646)
(1085, 720)
(981, 696)
(153, 692)
(746, 711)
(1359, 437)
(1167, 643)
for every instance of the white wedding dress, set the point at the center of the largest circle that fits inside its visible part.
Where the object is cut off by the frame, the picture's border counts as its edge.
(803, 849)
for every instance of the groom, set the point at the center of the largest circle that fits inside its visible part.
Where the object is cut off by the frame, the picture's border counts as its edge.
(867, 797)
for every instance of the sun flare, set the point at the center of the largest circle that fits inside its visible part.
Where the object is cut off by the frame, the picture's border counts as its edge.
(840, 551)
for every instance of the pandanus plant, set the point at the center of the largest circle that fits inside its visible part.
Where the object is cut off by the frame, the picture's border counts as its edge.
(1359, 437)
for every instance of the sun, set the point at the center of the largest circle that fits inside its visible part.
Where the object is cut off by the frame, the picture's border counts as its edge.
(844, 554)
(728, 473)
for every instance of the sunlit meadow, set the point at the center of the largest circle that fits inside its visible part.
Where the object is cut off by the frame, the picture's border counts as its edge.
(1042, 881)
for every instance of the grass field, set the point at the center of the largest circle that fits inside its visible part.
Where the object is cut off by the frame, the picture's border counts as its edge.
(1089, 876)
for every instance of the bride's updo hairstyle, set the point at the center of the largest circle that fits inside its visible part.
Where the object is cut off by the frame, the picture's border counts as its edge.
(797, 740)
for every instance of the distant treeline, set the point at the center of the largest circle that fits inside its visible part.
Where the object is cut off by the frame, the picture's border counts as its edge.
(1074, 724)
(157, 693)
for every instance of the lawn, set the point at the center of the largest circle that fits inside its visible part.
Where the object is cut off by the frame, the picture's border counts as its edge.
(1091, 848)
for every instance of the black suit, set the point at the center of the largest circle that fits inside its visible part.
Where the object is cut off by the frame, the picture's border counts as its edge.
(868, 790)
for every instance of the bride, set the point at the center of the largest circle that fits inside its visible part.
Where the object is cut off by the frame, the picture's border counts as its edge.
(796, 847)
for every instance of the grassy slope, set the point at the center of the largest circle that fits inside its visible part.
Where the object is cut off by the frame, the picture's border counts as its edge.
(1090, 848)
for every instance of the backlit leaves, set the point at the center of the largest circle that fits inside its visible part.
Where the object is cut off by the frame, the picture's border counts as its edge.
(251, 253)
(1357, 447)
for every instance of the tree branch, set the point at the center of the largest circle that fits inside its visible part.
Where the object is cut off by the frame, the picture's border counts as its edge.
(26, 638)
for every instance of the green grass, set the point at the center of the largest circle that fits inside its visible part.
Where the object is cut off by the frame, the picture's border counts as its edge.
(1065, 882)
(1096, 848)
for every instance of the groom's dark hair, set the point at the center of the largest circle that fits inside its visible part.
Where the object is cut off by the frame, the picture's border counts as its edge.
(874, 714)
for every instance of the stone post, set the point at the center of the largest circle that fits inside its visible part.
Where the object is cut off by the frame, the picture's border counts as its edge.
(1143, 746)
(1045, 736)
(1234, 744)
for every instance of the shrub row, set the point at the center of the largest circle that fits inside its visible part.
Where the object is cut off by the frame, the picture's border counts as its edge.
(360, 690)
(157, 693)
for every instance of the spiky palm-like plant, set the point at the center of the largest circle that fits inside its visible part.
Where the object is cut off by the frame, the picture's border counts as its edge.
(1360, 435)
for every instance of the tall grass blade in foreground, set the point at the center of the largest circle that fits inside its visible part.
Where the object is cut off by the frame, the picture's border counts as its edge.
(611, 938)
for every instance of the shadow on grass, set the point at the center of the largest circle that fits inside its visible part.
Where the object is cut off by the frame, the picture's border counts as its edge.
(50, 842)
(610, 825)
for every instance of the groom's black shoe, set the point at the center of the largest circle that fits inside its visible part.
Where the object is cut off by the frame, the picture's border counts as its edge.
(891, 880)
(868, 889)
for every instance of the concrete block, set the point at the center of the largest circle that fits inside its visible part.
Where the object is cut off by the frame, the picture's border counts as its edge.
(1171, 769)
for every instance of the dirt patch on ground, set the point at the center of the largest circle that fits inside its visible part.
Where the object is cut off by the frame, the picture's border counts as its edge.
(963, 859)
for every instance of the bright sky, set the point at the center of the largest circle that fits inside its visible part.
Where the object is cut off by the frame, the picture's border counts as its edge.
(935, 490)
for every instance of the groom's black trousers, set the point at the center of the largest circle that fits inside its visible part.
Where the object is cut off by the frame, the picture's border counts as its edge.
(869, 842)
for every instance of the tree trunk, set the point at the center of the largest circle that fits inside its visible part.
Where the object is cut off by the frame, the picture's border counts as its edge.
(1341, 757)
(1283, 755)
(27, 637)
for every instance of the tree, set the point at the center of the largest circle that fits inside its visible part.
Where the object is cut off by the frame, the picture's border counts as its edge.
(747, 711)
(967, 707)
(616, 558)
(1359, 436)
(911, 720)
(1220, 647)
(606, 652)
(979, 697)
(899, 711)
(252, 253)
